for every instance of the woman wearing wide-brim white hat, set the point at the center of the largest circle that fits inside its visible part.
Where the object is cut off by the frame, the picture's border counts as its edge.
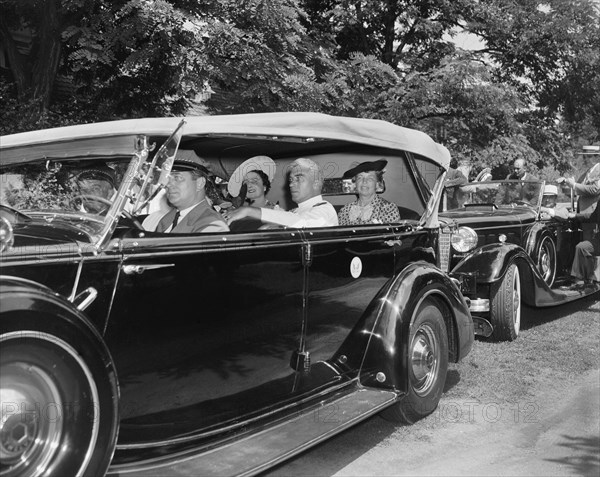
(256, 174)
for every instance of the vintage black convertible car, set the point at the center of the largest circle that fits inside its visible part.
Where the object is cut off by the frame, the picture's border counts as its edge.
(506, 252)
(213, 353)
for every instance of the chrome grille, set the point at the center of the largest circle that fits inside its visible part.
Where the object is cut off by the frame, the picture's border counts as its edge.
(444, 249)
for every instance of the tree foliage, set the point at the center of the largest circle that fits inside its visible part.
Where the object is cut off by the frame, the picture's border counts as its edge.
(531, 89)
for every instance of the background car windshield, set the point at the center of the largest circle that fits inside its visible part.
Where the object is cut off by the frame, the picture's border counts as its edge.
(499, 193)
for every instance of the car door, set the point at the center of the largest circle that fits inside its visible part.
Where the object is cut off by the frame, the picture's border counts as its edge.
(202, 328)
(349, 266)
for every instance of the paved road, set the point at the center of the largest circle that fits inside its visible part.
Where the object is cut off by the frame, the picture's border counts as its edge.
(556, 433)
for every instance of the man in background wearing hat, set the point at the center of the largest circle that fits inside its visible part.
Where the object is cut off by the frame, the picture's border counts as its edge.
(587, 188)
(582, 269)
(96, 186)
(454, 179)
(189, 210)
(547, 210)
(305, 182)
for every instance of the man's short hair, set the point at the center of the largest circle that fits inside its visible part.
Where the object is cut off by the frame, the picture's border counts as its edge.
(311, 165)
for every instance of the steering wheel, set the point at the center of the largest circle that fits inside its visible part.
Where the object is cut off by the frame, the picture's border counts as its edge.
(107, 203)
(93, 198)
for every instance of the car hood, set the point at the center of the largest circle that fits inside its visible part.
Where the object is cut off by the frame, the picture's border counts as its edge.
(484, 218)
(53, 229)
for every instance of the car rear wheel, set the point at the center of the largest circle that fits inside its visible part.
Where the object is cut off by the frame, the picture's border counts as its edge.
(58, 410)
(505, 307)
(546, 260)
(427, 365)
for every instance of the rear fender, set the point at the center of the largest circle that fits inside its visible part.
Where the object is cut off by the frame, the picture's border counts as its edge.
(384, 328)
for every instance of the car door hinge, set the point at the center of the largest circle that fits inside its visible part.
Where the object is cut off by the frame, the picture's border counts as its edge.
(307, 255)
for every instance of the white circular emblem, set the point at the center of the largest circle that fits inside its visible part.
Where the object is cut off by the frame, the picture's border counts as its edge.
(355, 267)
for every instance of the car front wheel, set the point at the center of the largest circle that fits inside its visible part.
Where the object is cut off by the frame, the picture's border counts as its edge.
(427, 365)
(58, 411)
(505, 306)
(546, 260)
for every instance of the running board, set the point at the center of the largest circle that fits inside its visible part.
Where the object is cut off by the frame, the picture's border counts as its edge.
(261, 450)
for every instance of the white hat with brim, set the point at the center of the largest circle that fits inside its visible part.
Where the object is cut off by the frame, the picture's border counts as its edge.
(550, 189)
(261, 163)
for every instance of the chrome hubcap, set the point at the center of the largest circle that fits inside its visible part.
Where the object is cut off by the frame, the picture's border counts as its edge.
(517, 301)
(31, 423)
(424, 359)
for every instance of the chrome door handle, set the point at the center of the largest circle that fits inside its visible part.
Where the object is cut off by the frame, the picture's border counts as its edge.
(139, 269)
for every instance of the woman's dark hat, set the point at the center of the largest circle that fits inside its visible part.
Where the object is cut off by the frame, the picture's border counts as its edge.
(374, 166)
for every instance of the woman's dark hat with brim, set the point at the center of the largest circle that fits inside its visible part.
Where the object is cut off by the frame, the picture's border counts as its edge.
(374, 166)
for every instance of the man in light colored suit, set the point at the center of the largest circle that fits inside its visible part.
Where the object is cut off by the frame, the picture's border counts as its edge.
(587, 188)
(588, 214)
(189, 209)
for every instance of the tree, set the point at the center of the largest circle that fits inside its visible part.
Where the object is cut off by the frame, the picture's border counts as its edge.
(550, 50)
(405, 34)
(123, 58)
(34, 72)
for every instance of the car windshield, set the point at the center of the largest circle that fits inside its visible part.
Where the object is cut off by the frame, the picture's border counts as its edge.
(74, 187)
(509, 193)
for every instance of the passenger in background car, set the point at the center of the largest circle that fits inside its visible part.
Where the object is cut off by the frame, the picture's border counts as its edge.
(92, 182)
(368, 208)
(454, 179)
(305, 182)
(519, 172)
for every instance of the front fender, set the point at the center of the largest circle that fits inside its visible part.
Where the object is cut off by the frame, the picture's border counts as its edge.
(28, 305)
(385, 326)
(33, 318)
(489, 263)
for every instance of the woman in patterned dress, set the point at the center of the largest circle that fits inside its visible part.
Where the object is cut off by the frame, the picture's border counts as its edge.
(368, 208)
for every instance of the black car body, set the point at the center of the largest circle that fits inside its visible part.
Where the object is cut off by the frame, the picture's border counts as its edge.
(214, 353)
(506, 252)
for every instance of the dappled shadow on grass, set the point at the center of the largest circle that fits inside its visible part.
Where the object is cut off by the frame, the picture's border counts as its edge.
(532, 317)
(586, 459)
(452, 379)
(339, 451)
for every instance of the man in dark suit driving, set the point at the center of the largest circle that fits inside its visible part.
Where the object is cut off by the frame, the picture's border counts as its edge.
(189, 208)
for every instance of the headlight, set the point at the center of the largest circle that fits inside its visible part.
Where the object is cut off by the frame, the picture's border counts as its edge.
(464, 240)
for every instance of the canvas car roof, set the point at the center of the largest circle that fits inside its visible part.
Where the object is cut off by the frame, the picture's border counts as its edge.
(116, 137)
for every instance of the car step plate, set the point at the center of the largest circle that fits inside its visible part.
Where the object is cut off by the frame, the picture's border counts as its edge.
(259, 451)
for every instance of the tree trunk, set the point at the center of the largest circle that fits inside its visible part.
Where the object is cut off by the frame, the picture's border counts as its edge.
(18, 62)
(34, 73)
(49, 50)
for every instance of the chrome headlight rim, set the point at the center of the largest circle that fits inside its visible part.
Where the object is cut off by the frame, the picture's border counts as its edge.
(464, 240)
